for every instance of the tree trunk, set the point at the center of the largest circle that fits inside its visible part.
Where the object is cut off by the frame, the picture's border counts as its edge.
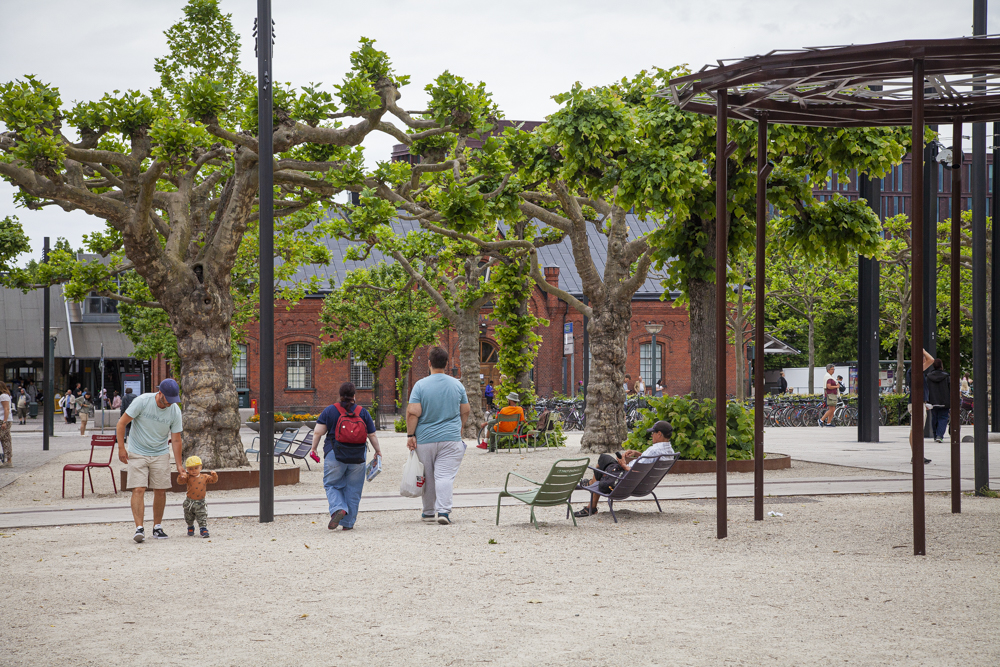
(741, 356)
(211, 415)
(812, 356)
(376, 396)
(606, 429)
(467, 327)
(701, 311)
(901, 350)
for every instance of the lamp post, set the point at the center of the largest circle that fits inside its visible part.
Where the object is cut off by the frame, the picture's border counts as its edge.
(50, 383)
(652, 329)
(48, 405)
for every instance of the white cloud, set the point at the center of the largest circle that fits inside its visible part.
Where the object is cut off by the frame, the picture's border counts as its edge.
(525, 51)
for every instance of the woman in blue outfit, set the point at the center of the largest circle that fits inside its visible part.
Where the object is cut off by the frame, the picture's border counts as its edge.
(344, 459)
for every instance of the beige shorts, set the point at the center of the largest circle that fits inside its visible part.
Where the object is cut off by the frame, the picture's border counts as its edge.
(149, 472)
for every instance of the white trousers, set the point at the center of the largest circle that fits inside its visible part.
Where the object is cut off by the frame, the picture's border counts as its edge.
(441, 461)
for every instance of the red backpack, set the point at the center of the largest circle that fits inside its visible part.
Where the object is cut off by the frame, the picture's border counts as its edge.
(351, 429)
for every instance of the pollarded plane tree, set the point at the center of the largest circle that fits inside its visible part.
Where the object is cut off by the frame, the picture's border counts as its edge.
(174, 175)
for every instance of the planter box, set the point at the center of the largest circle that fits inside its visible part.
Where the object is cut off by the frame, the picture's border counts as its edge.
(772, 462)
(239, 478)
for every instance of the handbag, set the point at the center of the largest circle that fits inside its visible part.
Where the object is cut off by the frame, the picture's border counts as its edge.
(412, 484)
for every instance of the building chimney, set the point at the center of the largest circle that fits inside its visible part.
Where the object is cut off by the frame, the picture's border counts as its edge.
(552, 275)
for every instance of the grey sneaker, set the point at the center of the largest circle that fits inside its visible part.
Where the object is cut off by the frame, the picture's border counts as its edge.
(444, 519)
(140, 535)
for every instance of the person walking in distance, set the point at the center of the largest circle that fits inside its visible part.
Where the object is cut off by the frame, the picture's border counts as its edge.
(127, 401)
(832, 392)
(156, 427)
(939, 397)
(782, 384)
(22, 407)
(435, 415)
(5, 422)
(85, 406)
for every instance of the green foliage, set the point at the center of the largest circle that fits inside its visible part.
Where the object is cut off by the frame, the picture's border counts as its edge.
(377, 313)
(399, 425)
(460, 104)
(176, 140)
(13, 242)
(694, 427)
(518, 342)
(839, 227)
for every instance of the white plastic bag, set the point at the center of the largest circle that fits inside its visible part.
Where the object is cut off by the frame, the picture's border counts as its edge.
(412, 485)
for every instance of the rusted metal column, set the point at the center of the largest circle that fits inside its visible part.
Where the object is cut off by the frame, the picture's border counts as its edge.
(955, 336)
(916, 311)
(721, 255)
(758, 365)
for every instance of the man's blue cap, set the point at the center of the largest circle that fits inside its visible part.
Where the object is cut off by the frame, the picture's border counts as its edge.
(170, 391)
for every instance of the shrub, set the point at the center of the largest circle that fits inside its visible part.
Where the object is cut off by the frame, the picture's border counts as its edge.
(694, 427)
(400, 425)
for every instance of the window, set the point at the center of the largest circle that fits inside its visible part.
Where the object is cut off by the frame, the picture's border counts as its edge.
(651, 371)
(299, 359)
(361, 375)
(240, 369)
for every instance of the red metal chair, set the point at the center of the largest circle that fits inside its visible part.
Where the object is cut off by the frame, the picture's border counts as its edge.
(95, 442)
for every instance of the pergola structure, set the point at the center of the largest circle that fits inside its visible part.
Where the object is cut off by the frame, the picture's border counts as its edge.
(890, 84)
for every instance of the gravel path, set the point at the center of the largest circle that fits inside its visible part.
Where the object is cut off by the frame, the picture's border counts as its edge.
(830, 582)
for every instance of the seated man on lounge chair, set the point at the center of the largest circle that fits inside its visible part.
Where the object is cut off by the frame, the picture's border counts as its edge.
(622, 462)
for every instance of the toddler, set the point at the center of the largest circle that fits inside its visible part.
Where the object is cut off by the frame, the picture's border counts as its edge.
(194, 504)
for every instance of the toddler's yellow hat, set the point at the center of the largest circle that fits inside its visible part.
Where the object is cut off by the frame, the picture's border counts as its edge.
(192, 461)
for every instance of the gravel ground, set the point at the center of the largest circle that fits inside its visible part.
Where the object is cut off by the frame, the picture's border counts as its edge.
(830, 582)
(43, 486)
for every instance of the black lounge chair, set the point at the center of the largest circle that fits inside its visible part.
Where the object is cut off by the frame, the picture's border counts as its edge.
(640, 480)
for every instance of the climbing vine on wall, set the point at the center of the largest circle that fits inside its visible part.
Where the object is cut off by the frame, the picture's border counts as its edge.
(516, 337)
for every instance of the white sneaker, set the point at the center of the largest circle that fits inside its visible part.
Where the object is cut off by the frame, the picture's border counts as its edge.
(140, 534)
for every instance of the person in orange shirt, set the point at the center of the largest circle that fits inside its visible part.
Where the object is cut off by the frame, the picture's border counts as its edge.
(194, 504)
(506, 427)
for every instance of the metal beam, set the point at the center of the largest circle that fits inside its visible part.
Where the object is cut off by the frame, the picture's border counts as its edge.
(265, 166)
(721, 253)
(930, 205)
(995, 288)
(980, 379)
(916, 312)
(955, 332)
(870, 190)
(758, 363)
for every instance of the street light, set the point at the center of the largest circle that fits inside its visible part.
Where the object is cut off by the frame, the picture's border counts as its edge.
(48, 409)
(652, 328)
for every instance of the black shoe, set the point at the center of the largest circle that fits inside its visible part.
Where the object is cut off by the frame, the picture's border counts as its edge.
(190, 531)
(140, 535)
(926, 461)
(586, 511)
(335, 519)
(159, 534)
(204, 531)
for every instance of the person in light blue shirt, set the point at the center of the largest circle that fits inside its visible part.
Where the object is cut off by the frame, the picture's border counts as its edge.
(156, 427)
(435, 416)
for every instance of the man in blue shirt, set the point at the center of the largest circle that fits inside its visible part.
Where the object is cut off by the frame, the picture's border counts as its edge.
(438, 409)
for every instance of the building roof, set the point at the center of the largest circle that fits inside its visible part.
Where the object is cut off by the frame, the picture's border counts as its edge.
(88, 337)
(21, 321)
(560, 254)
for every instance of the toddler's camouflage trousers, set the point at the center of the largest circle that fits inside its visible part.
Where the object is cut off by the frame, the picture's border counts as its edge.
(195, 509)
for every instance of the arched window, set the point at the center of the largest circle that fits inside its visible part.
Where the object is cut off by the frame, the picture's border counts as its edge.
(488, 353)
(299, 364)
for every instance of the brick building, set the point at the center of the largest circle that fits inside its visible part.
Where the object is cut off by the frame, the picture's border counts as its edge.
(305, 383)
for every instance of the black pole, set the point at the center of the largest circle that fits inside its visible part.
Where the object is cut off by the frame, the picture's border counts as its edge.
(721, 257)
(917, 313)
(995, 289)
(954, 317)
(758, 347)
(980, 379)
(47, 405)
(869, 189)
(930, 243)
(265, 138)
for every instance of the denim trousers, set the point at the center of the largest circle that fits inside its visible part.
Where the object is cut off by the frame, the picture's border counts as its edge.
(343, 483)
(939, 422)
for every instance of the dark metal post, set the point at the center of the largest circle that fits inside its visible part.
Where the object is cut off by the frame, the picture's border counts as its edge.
(980, 380)
(930, 244)
(48, 405)
(721, 252)
(955, 315)
(917, 312)
(868, 323)
(758, 358)
(995, 288)
(265, 151)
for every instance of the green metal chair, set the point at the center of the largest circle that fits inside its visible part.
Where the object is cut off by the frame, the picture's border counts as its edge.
(555, 490)
(518, 435)
(542, 429)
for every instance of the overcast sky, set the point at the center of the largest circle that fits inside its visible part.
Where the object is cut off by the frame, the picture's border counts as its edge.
(524, 51)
